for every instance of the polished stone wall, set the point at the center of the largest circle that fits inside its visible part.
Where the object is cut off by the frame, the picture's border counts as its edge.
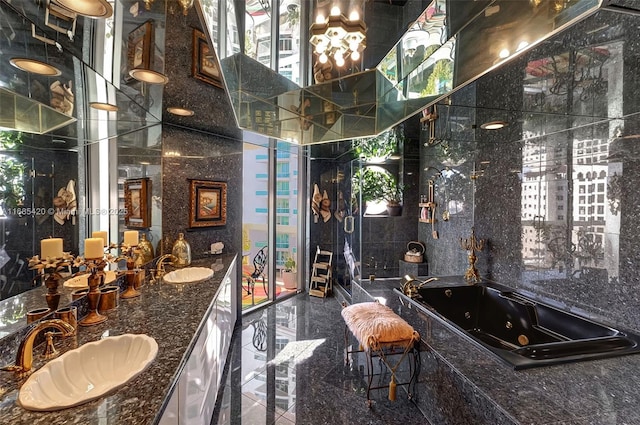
(205, 146)
(554, 194)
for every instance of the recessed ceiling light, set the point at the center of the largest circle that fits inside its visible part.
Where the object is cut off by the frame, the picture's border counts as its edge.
(148, 76)
(35, 66)
(180, 111)
(493, 125)
(103, 106)
(90, 8)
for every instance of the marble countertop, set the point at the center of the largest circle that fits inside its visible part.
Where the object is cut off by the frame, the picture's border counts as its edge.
(601, 391)
(169, 313)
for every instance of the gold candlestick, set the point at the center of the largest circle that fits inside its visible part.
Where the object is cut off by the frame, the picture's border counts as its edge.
(132, 275)
(96, 276)
(472, 245)
(49, 272)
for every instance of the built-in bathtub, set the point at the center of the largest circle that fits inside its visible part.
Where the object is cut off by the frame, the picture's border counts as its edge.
(521, 331)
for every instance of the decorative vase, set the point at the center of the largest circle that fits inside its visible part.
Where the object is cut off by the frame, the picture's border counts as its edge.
(181, 252)
(145, 250)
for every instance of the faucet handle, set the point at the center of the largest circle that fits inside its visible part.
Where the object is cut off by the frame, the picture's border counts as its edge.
(50, 350)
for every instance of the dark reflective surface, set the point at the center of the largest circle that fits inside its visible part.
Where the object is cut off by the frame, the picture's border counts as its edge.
(522, 331)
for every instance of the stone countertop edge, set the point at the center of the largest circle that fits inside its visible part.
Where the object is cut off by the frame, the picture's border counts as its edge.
(593, 391)
(172, 314)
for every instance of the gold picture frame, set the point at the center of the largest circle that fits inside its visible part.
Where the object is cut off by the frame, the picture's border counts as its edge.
(204, 63)
(140, 48)
(207, 203)
(136, 201)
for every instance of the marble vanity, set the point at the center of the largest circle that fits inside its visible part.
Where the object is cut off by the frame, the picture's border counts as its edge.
(185, 320)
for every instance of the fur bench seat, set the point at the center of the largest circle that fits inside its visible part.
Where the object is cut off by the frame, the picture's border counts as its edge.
(376, 326)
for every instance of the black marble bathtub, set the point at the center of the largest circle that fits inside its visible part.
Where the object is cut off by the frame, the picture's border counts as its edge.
(522, 331)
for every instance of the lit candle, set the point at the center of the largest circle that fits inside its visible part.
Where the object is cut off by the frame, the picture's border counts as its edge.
(93, 248)
(51, 248)
(131, 237)
(101, 234)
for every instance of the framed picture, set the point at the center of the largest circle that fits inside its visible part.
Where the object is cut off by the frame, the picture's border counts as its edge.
(140, 48)
(207, 203)
(329, 118)
(136, 201)
(204, 64)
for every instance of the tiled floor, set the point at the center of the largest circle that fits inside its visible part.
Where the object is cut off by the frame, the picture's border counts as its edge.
(287, 367)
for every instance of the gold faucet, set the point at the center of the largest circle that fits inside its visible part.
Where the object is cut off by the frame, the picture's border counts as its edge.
(24, 357)
(409, 286)
(160, 271)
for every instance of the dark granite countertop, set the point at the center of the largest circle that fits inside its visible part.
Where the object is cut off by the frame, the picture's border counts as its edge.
(169, 313)
(590, 392)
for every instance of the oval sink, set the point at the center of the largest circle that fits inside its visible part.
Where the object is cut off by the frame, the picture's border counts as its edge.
(188, 275)
(81, 281)
(87, 372)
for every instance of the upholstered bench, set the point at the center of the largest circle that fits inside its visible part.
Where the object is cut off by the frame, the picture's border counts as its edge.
(381, 333)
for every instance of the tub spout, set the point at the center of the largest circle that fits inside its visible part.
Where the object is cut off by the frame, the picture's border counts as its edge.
(410, 285)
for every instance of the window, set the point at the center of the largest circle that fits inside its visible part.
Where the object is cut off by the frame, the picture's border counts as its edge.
(282, 188)
(282, 169)
(282, 206)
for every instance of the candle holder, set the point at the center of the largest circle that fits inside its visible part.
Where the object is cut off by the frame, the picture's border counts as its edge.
(133, 281)
(49, 273)
(132, 275)
(95, 279)
(472, 245)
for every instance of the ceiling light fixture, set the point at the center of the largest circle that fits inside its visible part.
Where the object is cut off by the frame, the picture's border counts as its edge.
(35, 66)
(104, 106)
(493, 125)
(148, 76)
(180, 111)
(89, 8)
(338, 36)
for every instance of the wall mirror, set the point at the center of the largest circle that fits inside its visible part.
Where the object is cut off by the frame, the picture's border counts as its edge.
(70, 139)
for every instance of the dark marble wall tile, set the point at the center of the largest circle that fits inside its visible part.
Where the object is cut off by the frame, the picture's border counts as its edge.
(203, 157)
(555, 192)
(211, 104)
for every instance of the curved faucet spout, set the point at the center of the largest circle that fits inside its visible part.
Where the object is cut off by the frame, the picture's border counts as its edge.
(24, 356)
(160, 271)
(410, 285)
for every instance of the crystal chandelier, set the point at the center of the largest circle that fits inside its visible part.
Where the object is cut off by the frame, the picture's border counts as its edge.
(338, 36)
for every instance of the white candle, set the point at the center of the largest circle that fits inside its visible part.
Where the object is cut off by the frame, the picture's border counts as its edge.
(51, 248)
(101, 234)
(93, 248)
(131, 237)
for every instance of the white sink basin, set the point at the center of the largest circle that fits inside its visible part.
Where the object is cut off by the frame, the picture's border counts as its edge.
(81, 281)
(188, 275)
(87, 372)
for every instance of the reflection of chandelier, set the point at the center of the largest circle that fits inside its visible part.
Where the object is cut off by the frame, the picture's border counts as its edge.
(338, 36)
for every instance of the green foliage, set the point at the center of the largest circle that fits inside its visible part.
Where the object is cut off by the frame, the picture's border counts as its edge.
(378, 148)
(392, 191)
(374, 184)
(289, 264)
(11, 172)
(440, 79)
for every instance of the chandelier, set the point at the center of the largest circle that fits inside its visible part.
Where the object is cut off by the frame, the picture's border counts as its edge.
(338, 36)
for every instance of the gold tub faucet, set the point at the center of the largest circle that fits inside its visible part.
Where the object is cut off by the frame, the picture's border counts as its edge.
(24, 356)
(410, 285)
